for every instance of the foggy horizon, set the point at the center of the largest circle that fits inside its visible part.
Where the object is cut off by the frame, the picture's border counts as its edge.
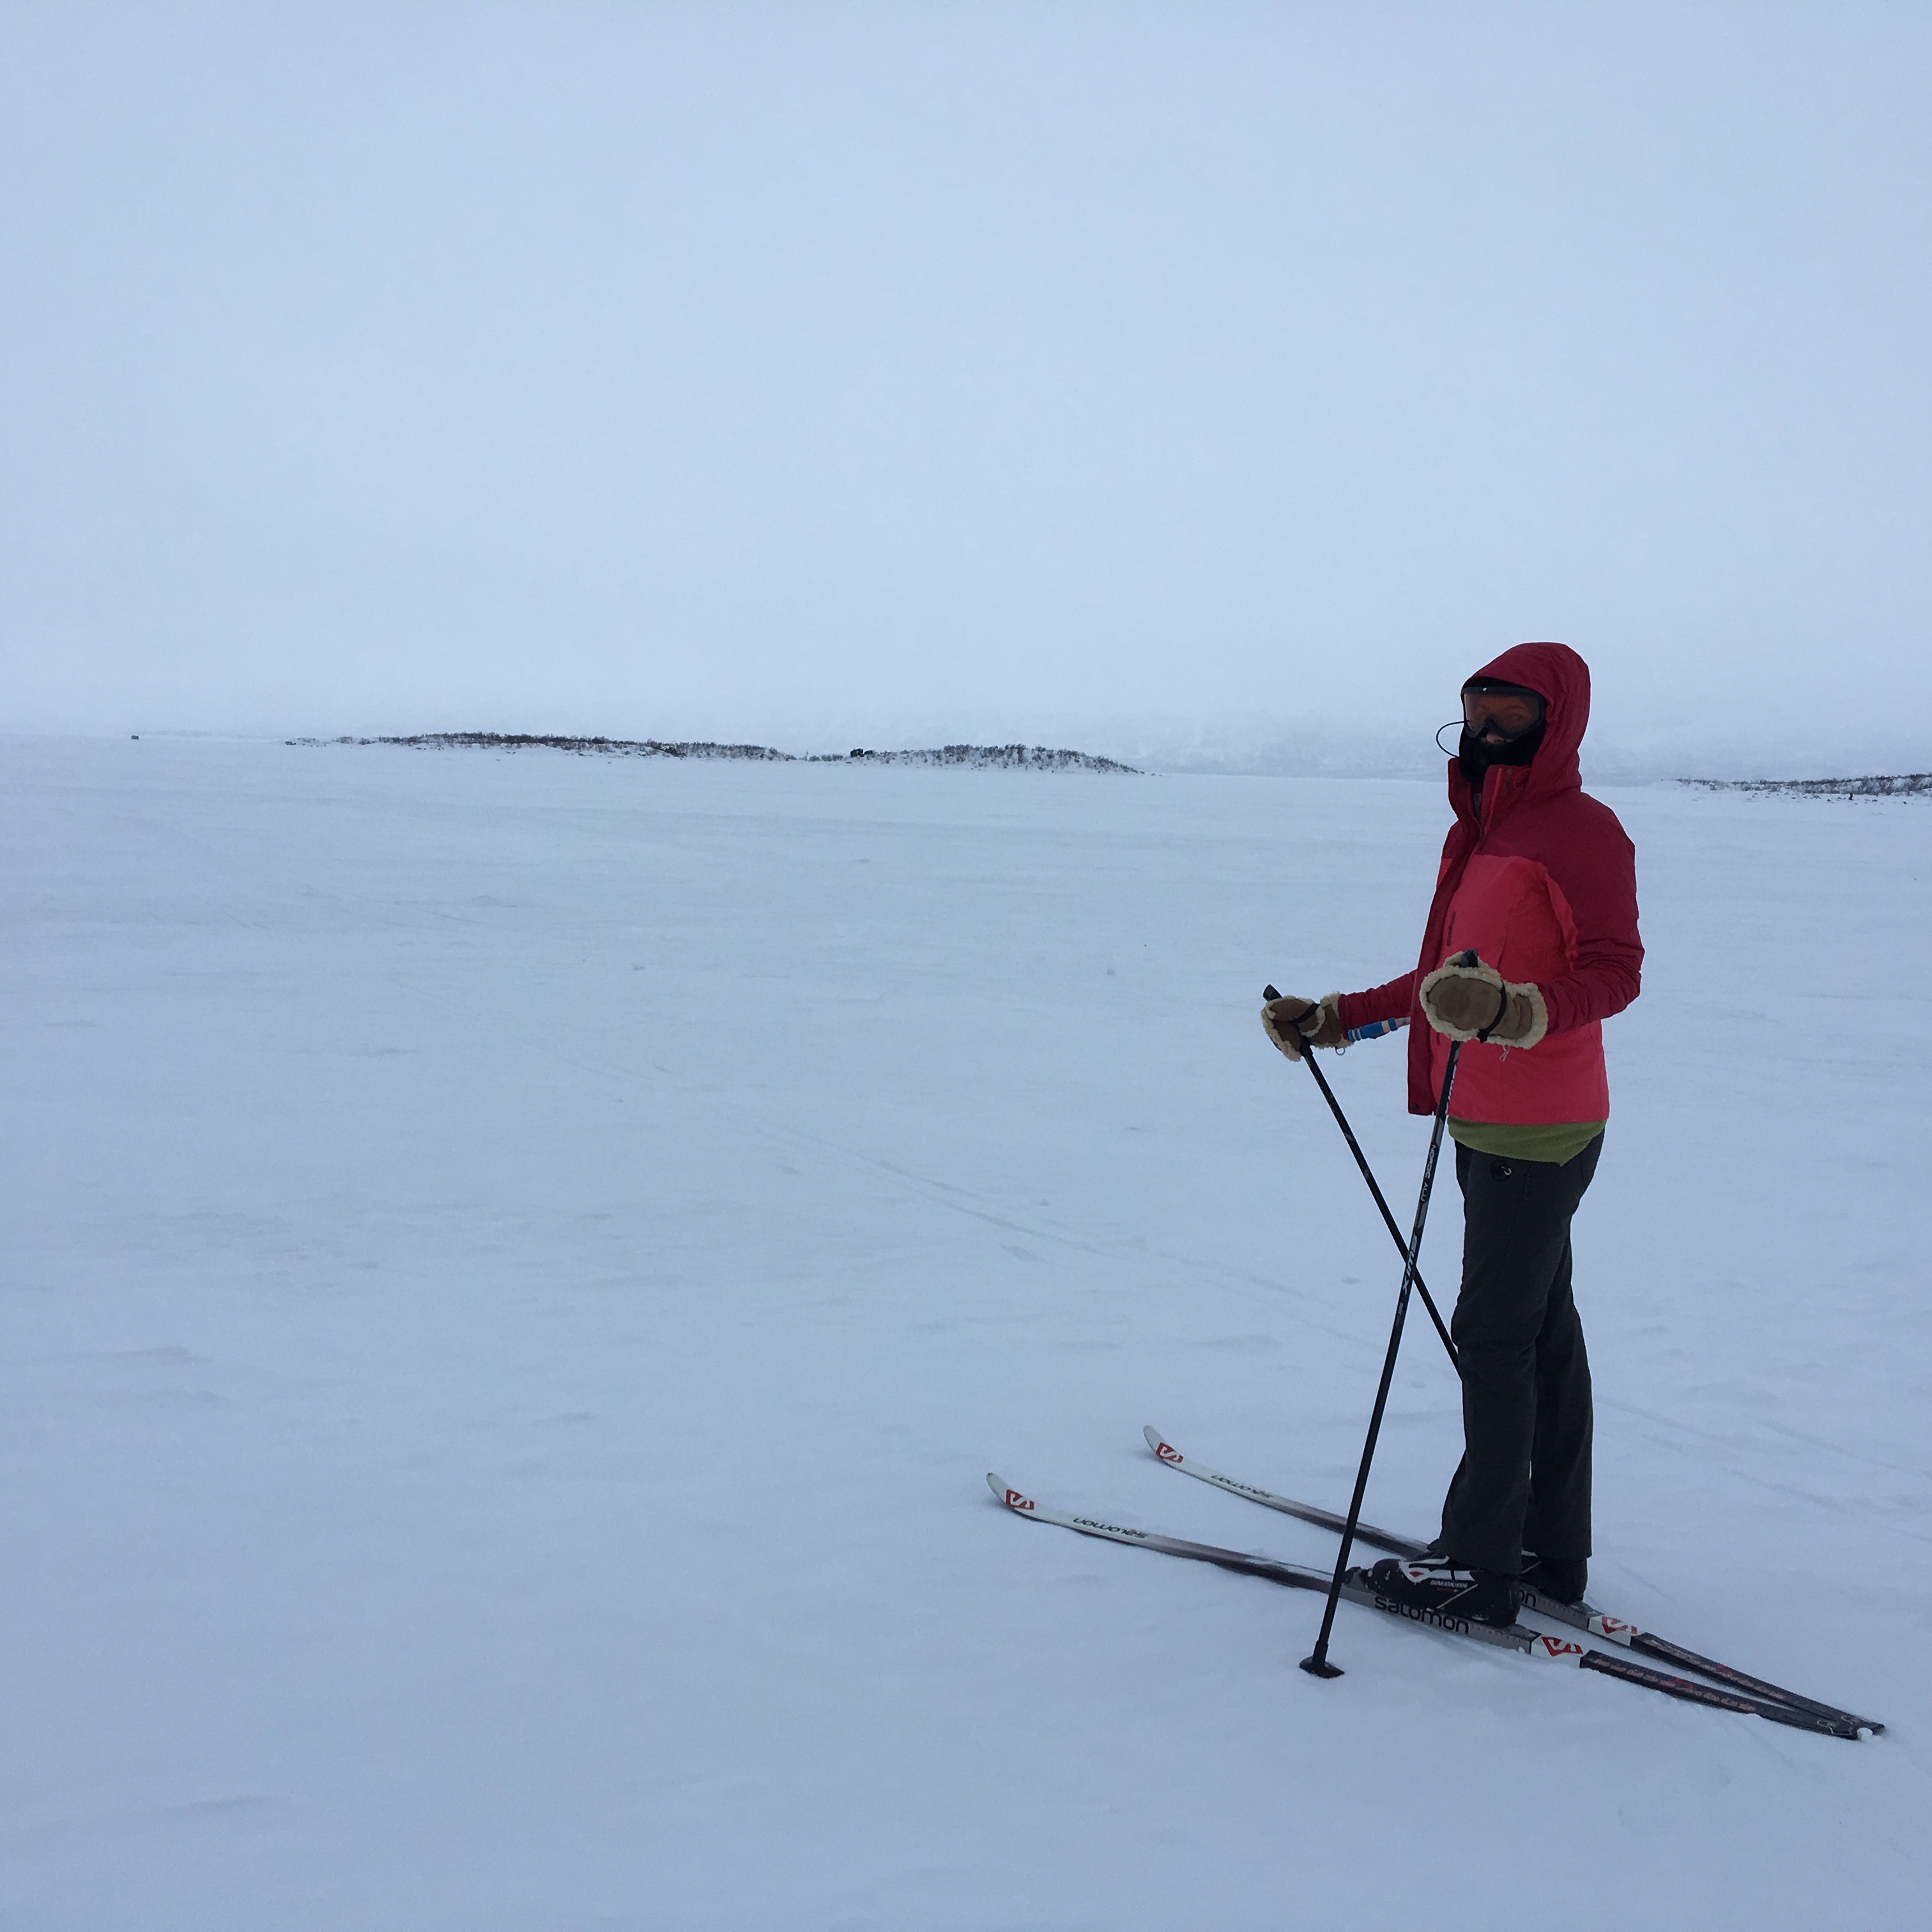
(1127, 378)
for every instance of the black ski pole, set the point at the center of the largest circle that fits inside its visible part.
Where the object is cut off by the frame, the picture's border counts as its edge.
(1316, 1662)
(1362, 1162)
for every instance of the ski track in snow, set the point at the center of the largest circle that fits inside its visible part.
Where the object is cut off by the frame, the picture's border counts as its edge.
(519, 1265)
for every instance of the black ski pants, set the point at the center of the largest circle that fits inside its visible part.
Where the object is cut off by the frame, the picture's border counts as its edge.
(1524, 1480)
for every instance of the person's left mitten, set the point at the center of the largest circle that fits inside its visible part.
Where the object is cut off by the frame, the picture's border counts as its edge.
(1476, 1003)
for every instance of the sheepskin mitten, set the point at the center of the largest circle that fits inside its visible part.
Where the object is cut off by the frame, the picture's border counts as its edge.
(1293, 1023)
(1476, 1003)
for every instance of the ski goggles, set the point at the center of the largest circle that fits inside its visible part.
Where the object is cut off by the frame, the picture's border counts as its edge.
(1507, 710)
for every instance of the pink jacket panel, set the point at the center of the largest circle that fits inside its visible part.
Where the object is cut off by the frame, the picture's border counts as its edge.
(1515, 916)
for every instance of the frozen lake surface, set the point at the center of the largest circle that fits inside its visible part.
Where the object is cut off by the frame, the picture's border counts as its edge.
(518, 1265)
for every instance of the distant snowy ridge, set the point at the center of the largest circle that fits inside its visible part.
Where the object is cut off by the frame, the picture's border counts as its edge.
(1897, 786)
(982, 757)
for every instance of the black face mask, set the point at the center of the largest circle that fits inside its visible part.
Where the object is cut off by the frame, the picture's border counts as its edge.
(1476, 757)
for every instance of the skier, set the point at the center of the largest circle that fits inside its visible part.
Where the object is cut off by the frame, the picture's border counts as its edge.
(1538, 879)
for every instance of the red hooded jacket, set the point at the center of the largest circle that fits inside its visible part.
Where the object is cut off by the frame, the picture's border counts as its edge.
(1542, 882)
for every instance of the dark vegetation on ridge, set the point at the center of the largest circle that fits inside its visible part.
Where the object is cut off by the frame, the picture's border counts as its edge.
(994, 758)
(1901, 785)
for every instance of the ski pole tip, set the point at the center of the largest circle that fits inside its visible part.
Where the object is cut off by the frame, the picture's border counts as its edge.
(1319, 1666)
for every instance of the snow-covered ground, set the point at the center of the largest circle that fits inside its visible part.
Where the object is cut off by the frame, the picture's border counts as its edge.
(518, 1266)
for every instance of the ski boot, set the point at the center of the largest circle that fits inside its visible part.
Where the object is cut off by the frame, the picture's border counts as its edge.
(1439, 1583)
(1561, 1579)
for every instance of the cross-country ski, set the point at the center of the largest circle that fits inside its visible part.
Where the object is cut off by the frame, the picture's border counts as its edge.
(1581, 1616)
(1357, 1588)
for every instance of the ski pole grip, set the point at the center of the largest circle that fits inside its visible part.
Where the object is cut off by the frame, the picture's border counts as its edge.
(1373, 1030)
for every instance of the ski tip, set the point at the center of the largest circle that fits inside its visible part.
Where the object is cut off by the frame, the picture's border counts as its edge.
(1161, 1447)
(1019, 1505)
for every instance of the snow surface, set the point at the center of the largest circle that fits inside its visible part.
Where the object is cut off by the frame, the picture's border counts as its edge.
(518, 1266)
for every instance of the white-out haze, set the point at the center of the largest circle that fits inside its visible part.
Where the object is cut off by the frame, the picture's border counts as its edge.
(848, 373)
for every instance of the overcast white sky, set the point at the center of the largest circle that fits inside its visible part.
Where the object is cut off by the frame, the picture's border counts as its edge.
(825, 374)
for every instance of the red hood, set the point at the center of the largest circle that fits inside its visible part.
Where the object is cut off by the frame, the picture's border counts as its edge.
(1562, 679)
